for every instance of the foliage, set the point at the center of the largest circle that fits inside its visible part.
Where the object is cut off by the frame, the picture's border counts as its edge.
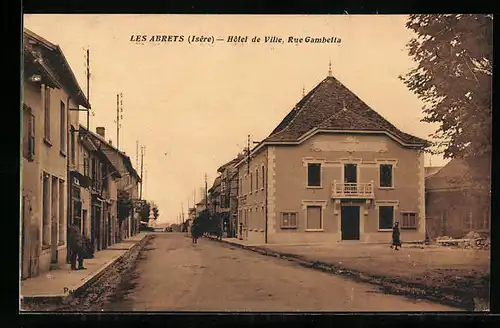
(205, 222)
(454, 79)
(144, 211)
(124, 206)
(156, 212)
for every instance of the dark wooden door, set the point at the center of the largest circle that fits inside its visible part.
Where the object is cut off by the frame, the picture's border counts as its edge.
(350, 222)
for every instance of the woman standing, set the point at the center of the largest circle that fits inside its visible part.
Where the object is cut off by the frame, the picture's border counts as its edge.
(396, 242)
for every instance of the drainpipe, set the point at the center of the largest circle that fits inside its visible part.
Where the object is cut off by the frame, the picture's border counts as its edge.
(265, 204)
(68, 176)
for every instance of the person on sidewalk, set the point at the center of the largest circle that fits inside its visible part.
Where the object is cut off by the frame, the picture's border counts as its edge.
(75, 243)
(396, 242)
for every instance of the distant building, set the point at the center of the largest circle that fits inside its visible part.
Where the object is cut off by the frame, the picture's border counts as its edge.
(458, 199)
(228, 196)
(332, 170)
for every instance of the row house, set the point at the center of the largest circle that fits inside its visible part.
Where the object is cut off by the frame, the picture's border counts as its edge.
(229, 196)
(94, 193)
(120, 183)
(51, 100)
(332, 170)
(458, 198)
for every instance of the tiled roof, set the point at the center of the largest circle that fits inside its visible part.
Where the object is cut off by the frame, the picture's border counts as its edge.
(431, 170)
(457, 174)
(119, 160)
(62, 66)
(332, 106)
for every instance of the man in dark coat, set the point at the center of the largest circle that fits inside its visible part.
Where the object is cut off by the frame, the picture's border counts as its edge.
(75, 243)
(396, 242)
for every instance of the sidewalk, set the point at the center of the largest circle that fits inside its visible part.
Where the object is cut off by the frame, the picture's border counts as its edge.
(449, 275)
(56, 285)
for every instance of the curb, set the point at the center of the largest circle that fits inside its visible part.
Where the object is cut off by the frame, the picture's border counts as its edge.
(78, 291)
(391, 287)
(61, 298)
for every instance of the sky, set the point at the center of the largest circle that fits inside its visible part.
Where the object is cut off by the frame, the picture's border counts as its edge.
(192, 104)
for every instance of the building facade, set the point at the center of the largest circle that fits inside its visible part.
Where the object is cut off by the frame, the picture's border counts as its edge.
(333, 170)
(51, 98)
(457, 200)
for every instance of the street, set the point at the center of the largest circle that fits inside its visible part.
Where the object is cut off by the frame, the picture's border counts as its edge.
(172, 274)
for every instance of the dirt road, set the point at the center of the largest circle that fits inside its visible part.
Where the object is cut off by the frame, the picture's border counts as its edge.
(172, 274)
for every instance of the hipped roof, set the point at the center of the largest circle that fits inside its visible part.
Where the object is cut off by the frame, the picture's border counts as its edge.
(332, 106)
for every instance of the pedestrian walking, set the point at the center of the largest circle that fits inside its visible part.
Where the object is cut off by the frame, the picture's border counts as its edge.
(75, 243)
(396, 242)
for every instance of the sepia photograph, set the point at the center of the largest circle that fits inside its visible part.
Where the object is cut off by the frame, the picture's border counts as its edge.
(255, 163)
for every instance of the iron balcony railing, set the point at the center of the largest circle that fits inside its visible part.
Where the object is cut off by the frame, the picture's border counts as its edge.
(352, 190)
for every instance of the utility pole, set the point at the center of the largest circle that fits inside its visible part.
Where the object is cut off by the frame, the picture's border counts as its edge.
(248, 154)
(137, 153)
(142, 166)
(206, 192)
(119, 116)
(88, 88)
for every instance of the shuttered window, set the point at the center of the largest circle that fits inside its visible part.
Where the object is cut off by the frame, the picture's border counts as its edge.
(409, 220)
(288, 220)
(313, 220)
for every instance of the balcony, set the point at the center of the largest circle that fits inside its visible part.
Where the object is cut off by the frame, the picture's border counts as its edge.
(359, 190)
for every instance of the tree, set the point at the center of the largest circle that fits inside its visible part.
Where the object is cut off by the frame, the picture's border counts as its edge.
(454, 79)
(124, 205)
(144, 211)
(156, 212)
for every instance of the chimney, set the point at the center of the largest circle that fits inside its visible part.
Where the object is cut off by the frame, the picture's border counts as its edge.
(101, 131)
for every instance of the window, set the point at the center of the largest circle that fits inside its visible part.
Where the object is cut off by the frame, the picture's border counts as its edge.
(63, 127)
(29, 134)
(409, 220)
(385, 217)
(386, 176)
(72, 146)
(240, 185)
(263, 177)
(251, 182)
(313, 220)
(86, 165)
(45, 210)
(256, 179)
(314, 175)
(62, 232)
(288, 220)
(47, 113)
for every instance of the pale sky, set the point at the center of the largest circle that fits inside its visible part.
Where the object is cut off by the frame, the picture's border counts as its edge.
(192, 105)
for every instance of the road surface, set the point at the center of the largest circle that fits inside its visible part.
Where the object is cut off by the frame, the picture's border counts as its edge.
(172, 274)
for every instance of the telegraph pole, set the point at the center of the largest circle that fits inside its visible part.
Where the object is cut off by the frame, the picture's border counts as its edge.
(137, 153)
(119, 116)
(206, 192)
(88, 88)
(248, 154)
(142, 166)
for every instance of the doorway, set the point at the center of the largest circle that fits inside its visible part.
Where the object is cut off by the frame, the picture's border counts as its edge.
(25, 254)
(54, 219)
(350, 222)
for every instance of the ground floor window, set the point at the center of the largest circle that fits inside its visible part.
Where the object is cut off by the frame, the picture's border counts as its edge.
(288, 220)
(46, 210)
(313, 218)
(385, 217)
(409, 220)
(62, 232)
